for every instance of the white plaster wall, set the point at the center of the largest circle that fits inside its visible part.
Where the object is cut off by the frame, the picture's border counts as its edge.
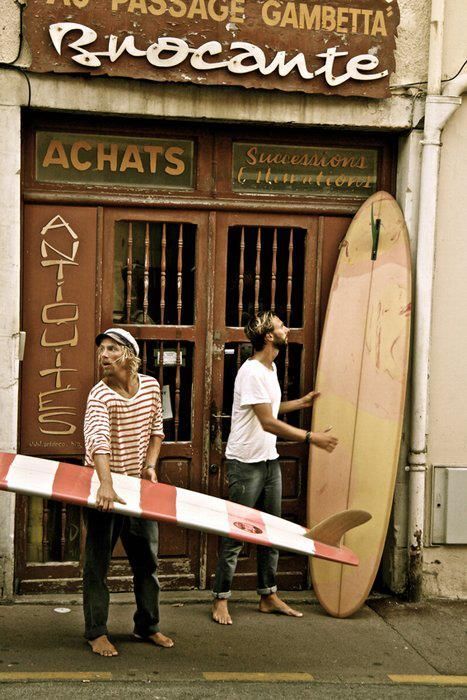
(407, 195)
(455, 28)
(446, 566)
(135, 98)
(448, 376)
(10, 150)
(9, 30)
(445, 573)
(412, 42)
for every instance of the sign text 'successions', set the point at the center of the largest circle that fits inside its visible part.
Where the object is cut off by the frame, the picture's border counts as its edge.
(304, 170)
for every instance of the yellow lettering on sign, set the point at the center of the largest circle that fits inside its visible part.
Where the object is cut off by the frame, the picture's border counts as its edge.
(55, 155)
(342, 19)
(379, 25)
(74, 155)
(328, 18)
(366, 18)
(154, 152)
(251, 155)
(171, 156)
(309, 17)
(290, 16)
(103, 157)
(220, 15)
(297, 15)
(271, 17)
(131, 159)
(181, 12)
(49, 418)
(67, 319)
(44, 400)
(355, 13)
(116, 3)
(63, 259)
(237, 11)
(138, 5)
(157, 7)
(198, 7)
(77, 3)
(72, 342)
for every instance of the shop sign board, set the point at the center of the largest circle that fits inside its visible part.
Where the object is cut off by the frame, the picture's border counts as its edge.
(93, 159)
(59, 291)
(304, 170)
(342, 47)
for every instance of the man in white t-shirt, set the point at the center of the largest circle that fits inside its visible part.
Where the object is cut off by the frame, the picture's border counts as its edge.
(253, 468)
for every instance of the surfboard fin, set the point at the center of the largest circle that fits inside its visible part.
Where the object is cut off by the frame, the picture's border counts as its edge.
(331, 530)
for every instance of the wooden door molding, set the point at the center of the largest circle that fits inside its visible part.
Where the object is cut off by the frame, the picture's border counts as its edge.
(184, 345)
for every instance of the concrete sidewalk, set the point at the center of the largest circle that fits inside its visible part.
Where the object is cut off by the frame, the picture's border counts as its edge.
(385, 639)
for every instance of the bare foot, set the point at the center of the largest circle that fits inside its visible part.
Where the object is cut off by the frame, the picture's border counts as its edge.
(273, 604)
(102, 646)
(159, 639)
(220, 611)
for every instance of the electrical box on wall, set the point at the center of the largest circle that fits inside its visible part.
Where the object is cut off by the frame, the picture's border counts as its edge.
(449, 521)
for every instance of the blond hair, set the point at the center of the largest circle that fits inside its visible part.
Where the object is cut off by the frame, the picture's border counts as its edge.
(258, 327)
(129, 358)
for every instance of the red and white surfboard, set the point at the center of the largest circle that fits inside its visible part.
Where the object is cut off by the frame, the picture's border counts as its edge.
(75, 484)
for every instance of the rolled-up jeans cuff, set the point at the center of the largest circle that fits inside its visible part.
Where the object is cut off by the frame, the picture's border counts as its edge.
(222, 596)
(267, 591)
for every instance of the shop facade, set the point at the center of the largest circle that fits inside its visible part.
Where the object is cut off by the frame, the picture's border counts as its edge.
(175, 199)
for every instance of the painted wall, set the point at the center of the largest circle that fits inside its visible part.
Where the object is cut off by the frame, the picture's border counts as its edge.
(10, 157)
(445, 566)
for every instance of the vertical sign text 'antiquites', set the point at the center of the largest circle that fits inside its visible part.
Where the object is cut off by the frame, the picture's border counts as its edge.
(58, 317)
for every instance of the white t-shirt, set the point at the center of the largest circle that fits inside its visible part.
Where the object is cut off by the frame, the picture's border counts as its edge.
(254, 384)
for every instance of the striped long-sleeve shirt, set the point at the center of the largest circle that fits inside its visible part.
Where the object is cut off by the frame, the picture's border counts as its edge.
(122, 427)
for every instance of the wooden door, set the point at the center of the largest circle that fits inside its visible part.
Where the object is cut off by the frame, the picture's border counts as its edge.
(264, 261)
(154, 284)
(184, 282)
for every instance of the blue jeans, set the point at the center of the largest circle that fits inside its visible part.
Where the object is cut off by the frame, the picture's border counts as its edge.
(140, 538)
(257, 485)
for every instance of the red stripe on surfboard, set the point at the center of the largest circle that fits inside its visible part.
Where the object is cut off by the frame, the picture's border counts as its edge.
(337, 554)
(246, 523)
(5, 464)
(72, 483)
(158, 501)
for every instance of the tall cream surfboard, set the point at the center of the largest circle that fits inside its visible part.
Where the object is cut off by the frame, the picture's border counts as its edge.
(362, 376)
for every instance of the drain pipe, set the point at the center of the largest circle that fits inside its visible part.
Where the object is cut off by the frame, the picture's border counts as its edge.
(440, 106)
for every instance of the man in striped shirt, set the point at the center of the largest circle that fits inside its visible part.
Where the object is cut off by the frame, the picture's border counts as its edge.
(123, 433)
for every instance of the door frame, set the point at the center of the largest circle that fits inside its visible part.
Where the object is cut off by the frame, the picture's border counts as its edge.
(213, 196)
(184, 450)
(221, 333)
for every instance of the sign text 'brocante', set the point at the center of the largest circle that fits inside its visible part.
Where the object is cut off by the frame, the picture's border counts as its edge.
(331, 47)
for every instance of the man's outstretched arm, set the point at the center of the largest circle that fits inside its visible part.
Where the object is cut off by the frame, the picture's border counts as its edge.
(298, 404)
(263, 412)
